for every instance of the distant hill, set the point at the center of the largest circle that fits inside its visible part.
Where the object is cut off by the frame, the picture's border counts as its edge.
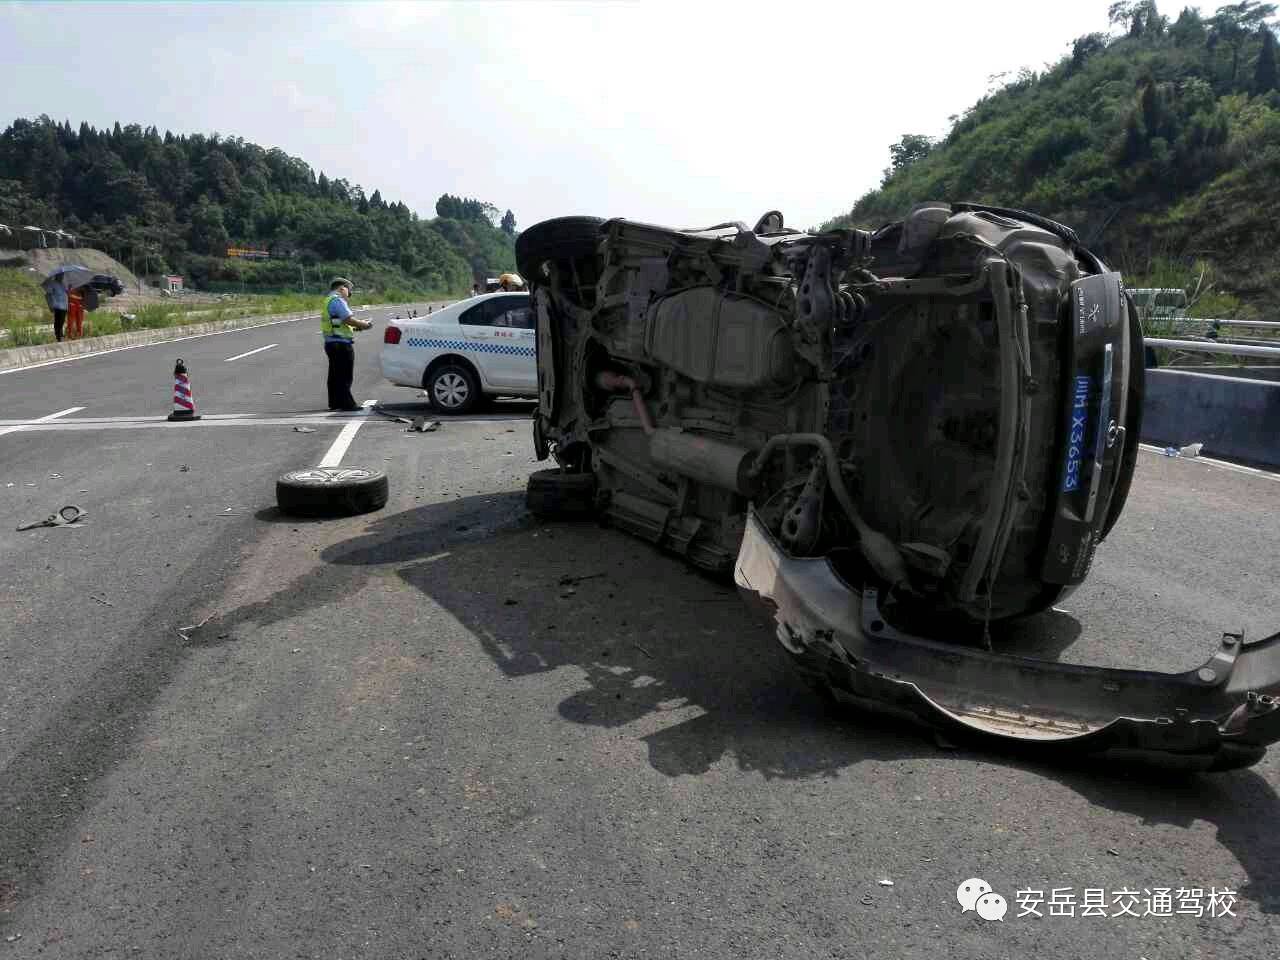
(1160, 145)
(176, 203)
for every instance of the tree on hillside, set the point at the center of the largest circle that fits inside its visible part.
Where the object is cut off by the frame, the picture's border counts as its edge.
(1188, 29)
(466, 208)
(1265, 76)
(912, 147)
(1234, 23)
(1085, 47)
(509, 223)
(208, 232)
(1139, 17)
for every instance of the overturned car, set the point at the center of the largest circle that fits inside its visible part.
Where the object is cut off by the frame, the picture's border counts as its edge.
(892, 439)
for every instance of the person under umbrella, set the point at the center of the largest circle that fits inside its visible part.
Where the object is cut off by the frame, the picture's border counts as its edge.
(55, 294)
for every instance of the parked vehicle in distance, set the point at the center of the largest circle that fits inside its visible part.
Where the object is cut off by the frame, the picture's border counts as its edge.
(477, 348)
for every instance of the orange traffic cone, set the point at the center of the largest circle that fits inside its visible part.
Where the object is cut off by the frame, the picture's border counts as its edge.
(184, 404)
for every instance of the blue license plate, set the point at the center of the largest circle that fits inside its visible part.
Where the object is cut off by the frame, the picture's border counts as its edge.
(1076, 436)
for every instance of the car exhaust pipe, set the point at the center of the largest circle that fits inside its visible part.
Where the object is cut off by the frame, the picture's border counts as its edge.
(710, 461)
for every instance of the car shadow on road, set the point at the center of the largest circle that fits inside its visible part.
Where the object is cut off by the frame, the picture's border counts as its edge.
(652, 637)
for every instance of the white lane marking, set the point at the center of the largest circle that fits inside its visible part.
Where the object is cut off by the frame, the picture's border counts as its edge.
(158, 343)
(339, 449)
(1210, 461)
(52, 416)
(250, 353)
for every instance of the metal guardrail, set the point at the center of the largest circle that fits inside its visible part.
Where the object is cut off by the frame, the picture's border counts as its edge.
(1209, 346)
(1256, 324)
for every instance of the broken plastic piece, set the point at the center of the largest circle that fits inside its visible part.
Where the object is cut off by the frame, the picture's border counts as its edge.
(1219, 716)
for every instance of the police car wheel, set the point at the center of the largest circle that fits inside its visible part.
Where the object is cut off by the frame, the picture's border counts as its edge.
(553, 495)
(331, 491)
(453, 389)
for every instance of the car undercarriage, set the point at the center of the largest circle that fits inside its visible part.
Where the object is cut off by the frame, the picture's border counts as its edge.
(892, 440)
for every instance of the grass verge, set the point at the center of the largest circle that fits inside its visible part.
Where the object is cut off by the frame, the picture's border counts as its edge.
(25, 319)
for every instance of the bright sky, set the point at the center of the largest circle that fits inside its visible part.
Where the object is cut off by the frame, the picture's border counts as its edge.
(684, 114)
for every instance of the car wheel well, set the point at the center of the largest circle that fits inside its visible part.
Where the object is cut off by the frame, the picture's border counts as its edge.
(450, 359)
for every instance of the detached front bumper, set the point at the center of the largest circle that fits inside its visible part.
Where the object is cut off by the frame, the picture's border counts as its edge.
(1219, 716)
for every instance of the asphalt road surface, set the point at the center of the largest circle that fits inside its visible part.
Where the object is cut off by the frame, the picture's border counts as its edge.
(446, 730)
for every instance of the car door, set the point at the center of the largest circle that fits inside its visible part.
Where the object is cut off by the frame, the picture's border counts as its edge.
(514, 332)
(501, 351)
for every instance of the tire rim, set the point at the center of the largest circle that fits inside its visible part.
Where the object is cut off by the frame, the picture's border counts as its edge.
(451, 390)
(330, 474)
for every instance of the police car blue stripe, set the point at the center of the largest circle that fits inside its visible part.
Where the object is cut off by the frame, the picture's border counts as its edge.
(464, 346)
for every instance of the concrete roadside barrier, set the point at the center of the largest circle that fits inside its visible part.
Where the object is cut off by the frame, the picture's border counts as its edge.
(1234, 418)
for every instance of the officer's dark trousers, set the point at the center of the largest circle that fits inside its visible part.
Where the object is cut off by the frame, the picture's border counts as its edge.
(342, 363)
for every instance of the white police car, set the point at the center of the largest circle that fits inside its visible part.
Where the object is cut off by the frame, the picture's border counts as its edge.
(476, 347)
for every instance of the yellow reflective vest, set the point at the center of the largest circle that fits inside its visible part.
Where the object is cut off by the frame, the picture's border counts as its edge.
(331, 329)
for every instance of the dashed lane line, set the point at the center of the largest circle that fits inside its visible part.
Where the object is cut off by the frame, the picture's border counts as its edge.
(157, 343)
(250, 353)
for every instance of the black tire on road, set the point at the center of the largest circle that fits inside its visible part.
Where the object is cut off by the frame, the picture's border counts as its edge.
(552, 495)
(453, 388)
(557, 239)
(331, 491)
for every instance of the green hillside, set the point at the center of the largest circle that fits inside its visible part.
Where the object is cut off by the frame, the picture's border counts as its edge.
(1159, 142)
(174, 204)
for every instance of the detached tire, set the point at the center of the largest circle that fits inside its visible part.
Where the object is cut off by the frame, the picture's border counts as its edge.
(552, 495)
(562, 238)
(331, 491)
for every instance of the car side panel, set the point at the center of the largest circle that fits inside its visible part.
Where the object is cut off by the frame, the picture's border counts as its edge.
(504, 360)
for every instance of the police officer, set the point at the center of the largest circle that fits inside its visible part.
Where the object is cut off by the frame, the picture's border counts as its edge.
(338, 324)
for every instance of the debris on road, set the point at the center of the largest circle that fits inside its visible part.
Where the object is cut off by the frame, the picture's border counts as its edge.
(101, 600)
(65, 515)
(390, 416)
(304, 429)
(568, 580)
(650, 656)
(423, 425)
(197, 626)
(183, 468)
(885, 883)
